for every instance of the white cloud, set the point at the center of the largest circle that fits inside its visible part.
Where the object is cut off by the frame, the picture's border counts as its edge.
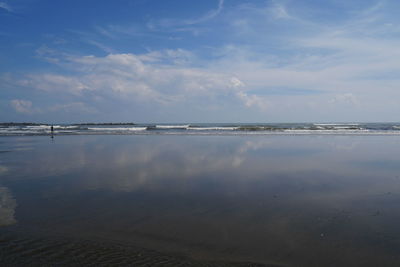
(280, 12)
(74, 107)
(346, 98)
(100, 45)
(23, 106)
(54, 82)
(165, 77)
(27, 107)
(252, 100)
(209, 15)
(353, 60)
(182, 24)
(5, 6)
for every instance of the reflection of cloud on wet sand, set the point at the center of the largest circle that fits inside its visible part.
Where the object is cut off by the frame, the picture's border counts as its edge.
(179, 163)
(3, 170)
(261, 196)
(131, 163)
(126, 165)
(297, 165)
(7, 207)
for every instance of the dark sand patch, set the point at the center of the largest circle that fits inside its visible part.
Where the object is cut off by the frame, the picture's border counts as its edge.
(26, 250)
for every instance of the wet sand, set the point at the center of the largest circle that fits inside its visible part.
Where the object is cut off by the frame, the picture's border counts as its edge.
(200, 201)
(26, 250)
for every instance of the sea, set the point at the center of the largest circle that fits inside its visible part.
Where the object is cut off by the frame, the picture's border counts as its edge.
(199, 128)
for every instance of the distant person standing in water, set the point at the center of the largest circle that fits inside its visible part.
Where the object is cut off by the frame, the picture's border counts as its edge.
(52, 131)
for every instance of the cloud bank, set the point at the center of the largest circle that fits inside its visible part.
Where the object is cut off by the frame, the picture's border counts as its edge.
(162, 77)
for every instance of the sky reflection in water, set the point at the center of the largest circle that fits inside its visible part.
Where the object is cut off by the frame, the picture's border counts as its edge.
(296, 200)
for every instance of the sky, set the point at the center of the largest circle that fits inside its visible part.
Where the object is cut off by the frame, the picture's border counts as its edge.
(199, 61)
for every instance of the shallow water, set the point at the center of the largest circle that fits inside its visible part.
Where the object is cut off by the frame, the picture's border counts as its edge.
(200, 200)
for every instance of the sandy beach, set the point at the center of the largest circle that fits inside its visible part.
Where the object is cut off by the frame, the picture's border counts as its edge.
(200, 200)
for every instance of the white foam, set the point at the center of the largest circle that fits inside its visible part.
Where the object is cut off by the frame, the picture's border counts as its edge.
(214, 128)
(172, 126)
(336, 124)
(332, 131)
(10, 129)
(118, 128)
(65, 131)
(345, 127)
(38, 127)
(65, 127)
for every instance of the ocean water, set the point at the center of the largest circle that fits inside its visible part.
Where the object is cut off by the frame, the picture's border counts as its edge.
(200, 200)
(7, 129)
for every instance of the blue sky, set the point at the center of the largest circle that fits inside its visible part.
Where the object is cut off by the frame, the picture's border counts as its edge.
(199, 61)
